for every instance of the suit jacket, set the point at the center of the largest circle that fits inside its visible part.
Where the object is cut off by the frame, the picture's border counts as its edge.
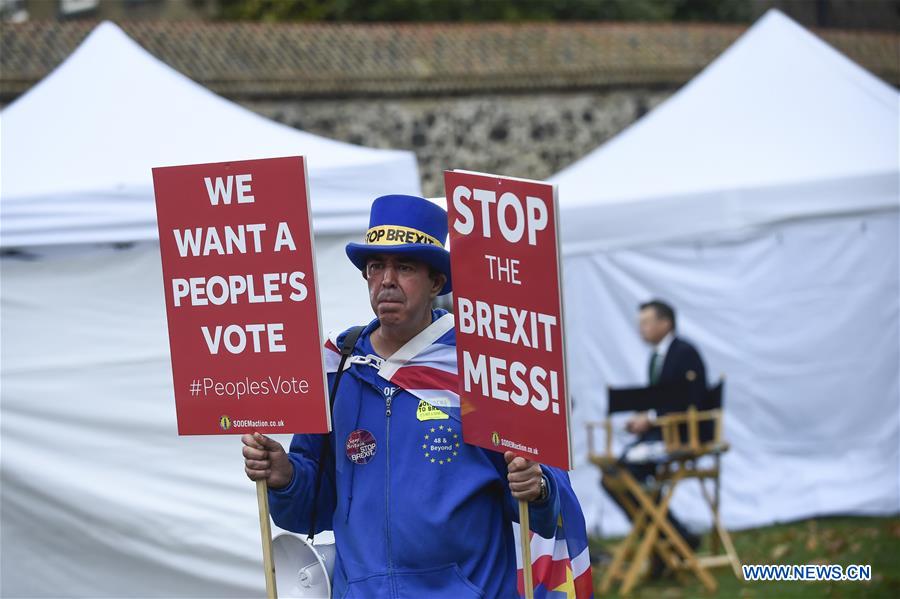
(682, 364)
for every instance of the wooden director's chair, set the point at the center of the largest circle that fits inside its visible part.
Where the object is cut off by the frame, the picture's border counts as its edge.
(689, 433)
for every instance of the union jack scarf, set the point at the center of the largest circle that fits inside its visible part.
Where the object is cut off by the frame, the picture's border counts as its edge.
(426, 368)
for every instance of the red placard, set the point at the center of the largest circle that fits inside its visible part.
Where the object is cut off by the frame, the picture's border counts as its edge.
(509, 334)
(239, 278)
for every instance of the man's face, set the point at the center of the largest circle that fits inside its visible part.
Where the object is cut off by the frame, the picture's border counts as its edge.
(400, 288)
(652, 327)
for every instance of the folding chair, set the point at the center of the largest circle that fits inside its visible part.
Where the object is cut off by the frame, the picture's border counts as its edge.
(688, 434)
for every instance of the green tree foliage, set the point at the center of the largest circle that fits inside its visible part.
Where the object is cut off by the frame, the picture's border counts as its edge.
(486, 10)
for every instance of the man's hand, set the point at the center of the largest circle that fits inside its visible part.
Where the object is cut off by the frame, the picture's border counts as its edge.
(524, 477)
(638, 424)
(265, 459)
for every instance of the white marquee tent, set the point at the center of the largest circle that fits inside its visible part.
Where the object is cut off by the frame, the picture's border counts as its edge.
(762, 201)
(100, 497)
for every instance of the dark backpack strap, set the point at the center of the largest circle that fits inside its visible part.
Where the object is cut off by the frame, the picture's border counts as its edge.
(347, 346)
(346, 349)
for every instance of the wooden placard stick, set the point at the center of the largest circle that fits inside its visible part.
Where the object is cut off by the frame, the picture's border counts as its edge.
(525, 539)
(265, 529)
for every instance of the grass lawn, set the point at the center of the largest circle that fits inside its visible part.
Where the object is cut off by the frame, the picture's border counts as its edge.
(843, 541)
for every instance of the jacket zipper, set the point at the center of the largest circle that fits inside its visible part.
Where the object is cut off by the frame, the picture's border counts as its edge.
(388, 399)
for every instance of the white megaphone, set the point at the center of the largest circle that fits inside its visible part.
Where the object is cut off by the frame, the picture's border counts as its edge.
(302, 570)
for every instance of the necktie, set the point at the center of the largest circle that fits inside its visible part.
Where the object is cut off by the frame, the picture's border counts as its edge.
(654, 369)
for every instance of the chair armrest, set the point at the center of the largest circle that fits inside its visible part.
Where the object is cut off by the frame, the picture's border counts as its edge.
(673, 423)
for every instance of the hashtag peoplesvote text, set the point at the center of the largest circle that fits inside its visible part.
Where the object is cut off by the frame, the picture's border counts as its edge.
(273, 386)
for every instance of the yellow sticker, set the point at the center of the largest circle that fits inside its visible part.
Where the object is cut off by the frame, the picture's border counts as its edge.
(426, 411)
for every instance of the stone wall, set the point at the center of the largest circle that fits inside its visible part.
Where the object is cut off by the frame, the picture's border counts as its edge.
(524, 135)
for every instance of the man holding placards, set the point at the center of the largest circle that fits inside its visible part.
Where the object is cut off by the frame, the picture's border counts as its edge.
(416, 512)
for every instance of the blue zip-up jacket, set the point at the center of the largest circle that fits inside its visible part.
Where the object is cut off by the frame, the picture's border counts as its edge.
(414, 521)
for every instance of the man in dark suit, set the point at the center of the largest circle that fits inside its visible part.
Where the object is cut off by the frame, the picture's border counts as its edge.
(672, 361)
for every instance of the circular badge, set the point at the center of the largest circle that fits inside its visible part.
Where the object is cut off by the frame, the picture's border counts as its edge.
(360, 446)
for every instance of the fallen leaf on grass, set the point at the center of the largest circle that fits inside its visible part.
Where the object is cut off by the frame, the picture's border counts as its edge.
(780, 551)
(836, 546)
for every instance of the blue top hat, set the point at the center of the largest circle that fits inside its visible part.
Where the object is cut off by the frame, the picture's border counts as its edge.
(406, 225)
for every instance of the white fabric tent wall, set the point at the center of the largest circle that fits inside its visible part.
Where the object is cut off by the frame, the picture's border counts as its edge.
(802, 318)
(100, 497)
(762, 201)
